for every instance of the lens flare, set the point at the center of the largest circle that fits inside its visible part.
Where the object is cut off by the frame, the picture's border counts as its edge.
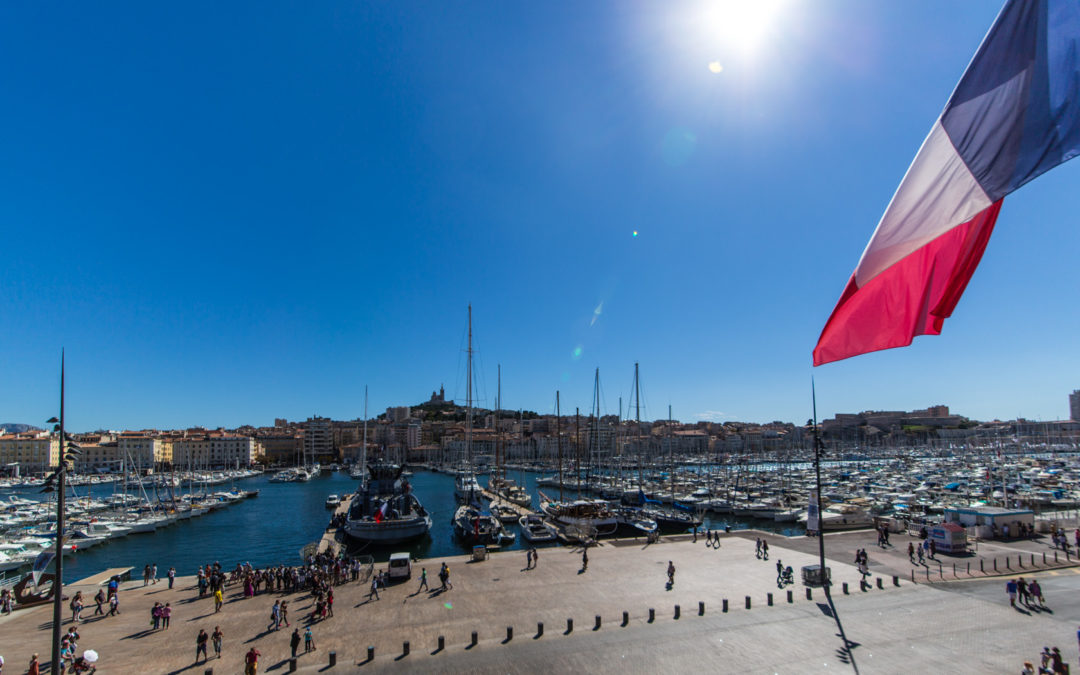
(635, 233)
(576, 354)
(716, 67)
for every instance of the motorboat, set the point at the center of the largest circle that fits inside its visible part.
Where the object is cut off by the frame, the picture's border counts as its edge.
(332, 501)
(385, 510)
(536, 530)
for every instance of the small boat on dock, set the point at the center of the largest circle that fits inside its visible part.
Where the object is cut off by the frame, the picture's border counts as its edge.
(536, 530)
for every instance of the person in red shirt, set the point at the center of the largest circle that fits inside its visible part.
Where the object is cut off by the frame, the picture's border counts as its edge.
(251, 661)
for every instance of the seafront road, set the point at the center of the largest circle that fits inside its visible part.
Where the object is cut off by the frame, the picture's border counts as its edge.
(964, 625)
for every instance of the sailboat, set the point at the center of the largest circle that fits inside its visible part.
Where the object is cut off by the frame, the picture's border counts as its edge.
(384, 509)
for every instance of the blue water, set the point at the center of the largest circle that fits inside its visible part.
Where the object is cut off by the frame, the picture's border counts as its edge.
(285, 517)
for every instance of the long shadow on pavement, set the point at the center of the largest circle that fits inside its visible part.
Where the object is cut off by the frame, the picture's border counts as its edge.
(844, 653)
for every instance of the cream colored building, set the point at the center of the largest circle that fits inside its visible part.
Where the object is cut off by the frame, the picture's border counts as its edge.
(30, 453)
(213, 451)
(142, 450)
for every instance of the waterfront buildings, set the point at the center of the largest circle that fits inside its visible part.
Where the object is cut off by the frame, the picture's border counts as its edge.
(1074, 405)
(28, 453)
(213, 450)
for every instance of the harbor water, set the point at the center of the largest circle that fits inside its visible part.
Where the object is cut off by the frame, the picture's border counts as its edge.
(274, 527)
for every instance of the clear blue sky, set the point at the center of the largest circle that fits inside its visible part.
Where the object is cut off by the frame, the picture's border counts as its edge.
(231, 212)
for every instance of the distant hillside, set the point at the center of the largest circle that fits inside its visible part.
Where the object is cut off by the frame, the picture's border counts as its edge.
(12, 428)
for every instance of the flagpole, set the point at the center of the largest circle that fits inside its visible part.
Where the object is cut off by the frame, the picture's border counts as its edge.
(817, 475)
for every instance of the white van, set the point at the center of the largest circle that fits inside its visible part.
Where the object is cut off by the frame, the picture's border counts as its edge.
(400, 566)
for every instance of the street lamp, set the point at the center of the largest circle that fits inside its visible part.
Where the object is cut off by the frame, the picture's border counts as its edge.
(69, 451)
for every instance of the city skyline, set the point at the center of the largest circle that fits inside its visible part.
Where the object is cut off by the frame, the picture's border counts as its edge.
(228, 221)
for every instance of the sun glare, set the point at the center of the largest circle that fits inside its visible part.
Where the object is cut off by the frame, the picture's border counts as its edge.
(741, 24)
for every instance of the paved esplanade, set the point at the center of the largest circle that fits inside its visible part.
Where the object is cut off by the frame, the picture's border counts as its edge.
(907, 628)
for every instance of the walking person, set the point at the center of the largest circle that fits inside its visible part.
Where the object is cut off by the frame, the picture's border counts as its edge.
(374, 588)
(423, 580)
(35, 667)
(172, 576)
(309, 640)
(911, 552)
(670, 573)
(155, 616)
(251, 662)
(585, 559)
(275, 616)
(294, 641)
(217, 638)
(146, 575)
(200, 645)
(166, 614)
(764, 549)
(100, 600)
(1035, 591)
(779, 572)
(219, 599)
(757, 548)
(1010, 588)
(1022, 591)
(153, 573)
(114, 604)
(528, 559)
(536, 556)
(76, 607)
(285, 613)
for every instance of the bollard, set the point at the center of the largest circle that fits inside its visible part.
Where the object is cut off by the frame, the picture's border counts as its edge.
(701, 609)
(1033, 560)
(982, 568)
(845, 588)
(625, 618)
(954, 569)
(790, 599)
(928, 574)
(1044, 557)
(333, 655)
(912, 575)
(724, 609)
(597, 625)
(1020, 561)
(995, 564)
(404, 652)
(209, 671)
(652, 615)
(678, 611)
(881, 583)
(748, 602)
(475, 638)
(895, 580)
(969, 568)
(539, 628)
(442, 643)
(569, 626)
(509, 633)
(371, 653)
(809, 595)
(1055, 557)
(768, 600)
(292, 665)
(1008, 565)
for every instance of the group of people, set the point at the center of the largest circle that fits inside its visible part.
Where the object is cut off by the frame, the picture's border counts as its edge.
(217, 637)
(1061, 540)
(1027, 592)
(1050, 663)
(712, 539)
(761, 549)
(928, 548)
(862, 562)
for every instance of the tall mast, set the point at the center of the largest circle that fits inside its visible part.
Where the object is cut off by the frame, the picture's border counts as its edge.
(577, 449)
(596, 432)
(499, 459)
(637, 417)
(671, 454)
(558, 437)
(363, 451)
(468, 395)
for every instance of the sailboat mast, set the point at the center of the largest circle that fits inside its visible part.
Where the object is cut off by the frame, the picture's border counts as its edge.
(671, 455)
(558, 437)
(577, 449)
(500, 460)
(637, 417)
(468, 395)
(363, 451)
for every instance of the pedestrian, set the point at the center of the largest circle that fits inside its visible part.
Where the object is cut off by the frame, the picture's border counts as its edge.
(294, 641)
(166, 614)
(528, 559)
(200, 645)
(1010, 588)
(374, 588)
(757, 548)
(153, 573)
(585, 559)
(536, 556)
(172, 576)
(219, 600)
(423, 580)
(285, 613)
(444, 576)
(155, 616)
(933, 549)
(1035, 591)
(251, 662)
(1022, 591)
(216, 638)
(114, 604)
(146, 576)
(779, 572)
(35, 667)
(911, 551)
(275, 616)
(1057, 662)
(309, 640)
(695, 534)
(76, 607)
(764, 549)
(670, 573)
(920, 550)
(100, 600)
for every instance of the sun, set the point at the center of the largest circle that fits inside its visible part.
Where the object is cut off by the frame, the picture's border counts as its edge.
(742, 25)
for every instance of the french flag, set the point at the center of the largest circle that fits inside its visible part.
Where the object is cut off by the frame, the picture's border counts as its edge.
(380, 515)
(1014, 115)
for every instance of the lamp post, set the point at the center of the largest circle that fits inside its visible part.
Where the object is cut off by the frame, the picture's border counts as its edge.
(68, 452)
(817, 473)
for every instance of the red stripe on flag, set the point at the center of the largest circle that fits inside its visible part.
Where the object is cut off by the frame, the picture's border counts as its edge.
(912, 297)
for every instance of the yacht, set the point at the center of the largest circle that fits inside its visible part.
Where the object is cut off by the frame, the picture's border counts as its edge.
(536, 530)
(588, 515)
(385, 510)
(332, 501)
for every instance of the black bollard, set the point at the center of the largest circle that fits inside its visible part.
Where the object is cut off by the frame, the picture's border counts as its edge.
(995, 562)
(597, 626)
(809, 595)
(1033, 560)
(652, 615)
(475, 639)
(292, 665)
(1044, 557)
(1055, 557)
(844, 586)
(625, 618)
(881, 583)
(982, 568)
(895, 580)
(509, 633)
(724, 609)
(333, 655)
(370, 653)
(209, 671)
(790, 597)
(442, 643)
(404, 652)
(539, 629)
(701, 609)
(569, 626)
(748, 602)
(677, 611)
(1020, 561)
(768, 599)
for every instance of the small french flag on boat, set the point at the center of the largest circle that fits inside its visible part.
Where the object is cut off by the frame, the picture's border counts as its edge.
(1014, 115)
(380, 515)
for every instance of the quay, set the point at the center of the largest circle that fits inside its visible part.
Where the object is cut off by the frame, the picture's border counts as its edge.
(617, 616)
(333, 538)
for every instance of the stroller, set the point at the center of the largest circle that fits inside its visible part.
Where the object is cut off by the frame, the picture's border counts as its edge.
(787, 576)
